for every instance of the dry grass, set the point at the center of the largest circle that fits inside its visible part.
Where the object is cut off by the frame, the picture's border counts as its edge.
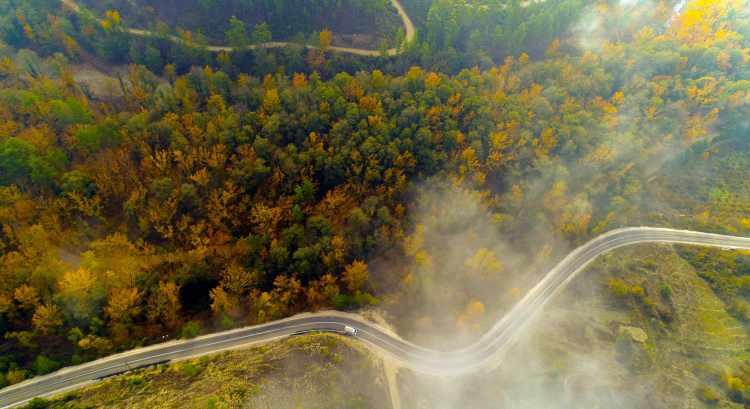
(312, 371)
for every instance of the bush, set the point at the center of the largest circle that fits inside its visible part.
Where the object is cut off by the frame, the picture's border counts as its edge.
(15, 376)
(226, 322)
(666, 291)
(135, 380)
(740, 309)
(190, 330)
(708, 394)
(44, 365)
(622, 289)
(37, 403)
(189, 369)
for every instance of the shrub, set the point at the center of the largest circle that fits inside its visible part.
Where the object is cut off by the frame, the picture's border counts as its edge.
(622, 289)
(190, 330)
(226, 322)
(38, 403)
(666, 291)
(708, 394)
(190, 369)
(44, 365)
(135, 380)
(740, 309)
(15, 376)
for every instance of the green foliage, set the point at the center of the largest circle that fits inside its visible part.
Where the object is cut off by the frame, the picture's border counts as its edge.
(190, 330)
(67, 112)
(20, 162)
(666, 291)
(15, 156)
(240, 23)
(226, 322)
(135, 380)
(236, 34)
(92, 138)
(190, 369)
(78, 181)
(38, 403)
(251, 195)
(44, 365)
(740, 308)
(261, 34)
(622, 289)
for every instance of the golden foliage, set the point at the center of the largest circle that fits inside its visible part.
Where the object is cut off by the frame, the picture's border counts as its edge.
(356, 275)
(47, 318)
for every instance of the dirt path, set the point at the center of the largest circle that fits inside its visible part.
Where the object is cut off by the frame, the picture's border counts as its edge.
(410, 33)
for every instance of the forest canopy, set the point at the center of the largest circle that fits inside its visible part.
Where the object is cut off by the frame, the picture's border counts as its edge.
(201, 195)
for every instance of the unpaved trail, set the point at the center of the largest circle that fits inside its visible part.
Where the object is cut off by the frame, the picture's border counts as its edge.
(409, 31)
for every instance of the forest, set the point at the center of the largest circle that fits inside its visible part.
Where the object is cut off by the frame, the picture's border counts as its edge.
(219, 190)
(278, 20)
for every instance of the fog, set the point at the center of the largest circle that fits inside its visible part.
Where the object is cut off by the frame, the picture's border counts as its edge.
(466, 274)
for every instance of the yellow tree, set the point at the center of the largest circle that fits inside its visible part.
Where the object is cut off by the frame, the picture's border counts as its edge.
(326, 39)
(484, 262)
(123, 304)
(47, 318)
(81, 292)
(471, 315)
(26, 296)
(164, 305)
(356, 275)
(222, 302)
(111, 21)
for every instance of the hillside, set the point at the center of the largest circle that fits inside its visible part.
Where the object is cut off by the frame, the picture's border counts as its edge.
(313, 371)
(204, 190)
(359, 23)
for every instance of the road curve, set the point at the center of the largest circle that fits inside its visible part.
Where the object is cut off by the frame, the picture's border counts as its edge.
(486, 353)
(409, 34)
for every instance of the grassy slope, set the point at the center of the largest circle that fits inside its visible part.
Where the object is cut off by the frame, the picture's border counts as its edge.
(697, 341)
(572, 357)
(313, 371)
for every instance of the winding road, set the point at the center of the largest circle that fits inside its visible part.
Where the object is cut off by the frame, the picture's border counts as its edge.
(409, 34)
(484, 354)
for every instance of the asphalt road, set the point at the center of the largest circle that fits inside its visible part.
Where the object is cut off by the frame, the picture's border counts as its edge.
(484, 354)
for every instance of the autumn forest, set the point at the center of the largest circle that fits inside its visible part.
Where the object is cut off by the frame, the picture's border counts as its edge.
(211, 190)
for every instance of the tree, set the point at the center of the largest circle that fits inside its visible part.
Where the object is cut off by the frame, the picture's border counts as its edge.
(224, 304)
(15, 156)
(190, 330)
(484, 262)
(325, 40)
(164, 305)
(356, 275)
(261, 34)
(122, 305)
(26, 296)
(47, 319)
(44, 365)
(81, 293)
(271, 101)
(236, 34)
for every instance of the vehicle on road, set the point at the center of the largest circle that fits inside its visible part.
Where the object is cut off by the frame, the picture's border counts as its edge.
(350, 331)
